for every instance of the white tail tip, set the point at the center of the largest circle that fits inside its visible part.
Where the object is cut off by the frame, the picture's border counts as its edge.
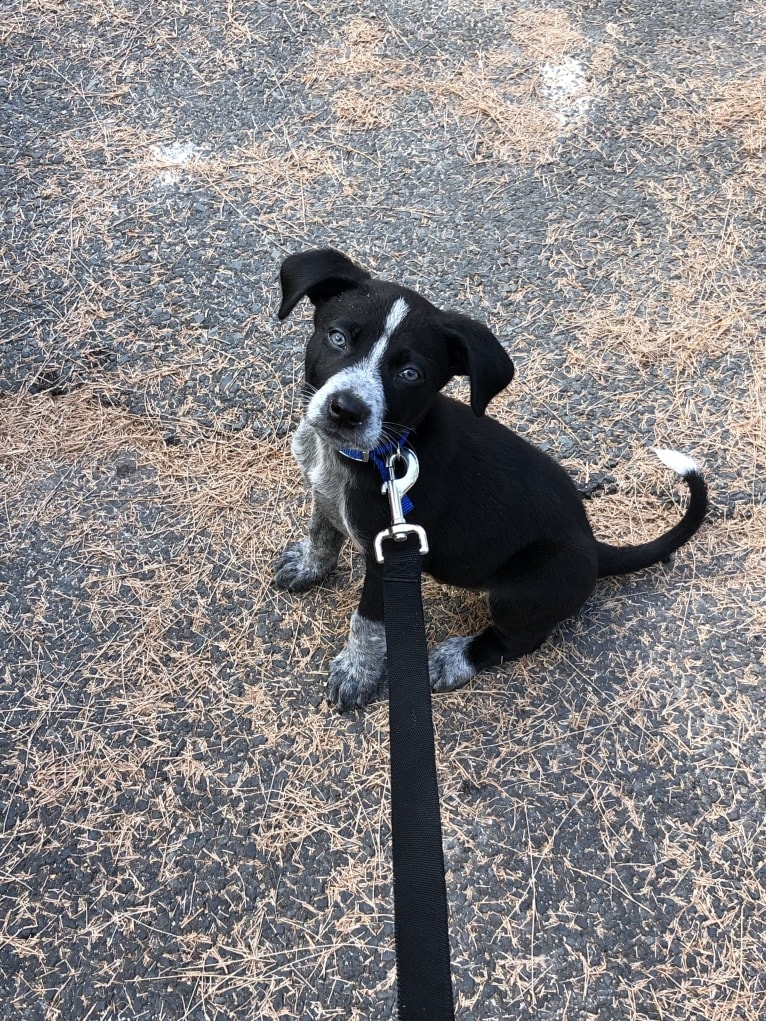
(680, 463)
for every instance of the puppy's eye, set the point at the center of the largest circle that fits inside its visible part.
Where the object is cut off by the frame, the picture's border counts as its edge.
(338, 339)
(409, 374)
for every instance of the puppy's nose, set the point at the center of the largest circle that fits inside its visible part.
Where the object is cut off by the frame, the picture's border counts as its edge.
(346, 409)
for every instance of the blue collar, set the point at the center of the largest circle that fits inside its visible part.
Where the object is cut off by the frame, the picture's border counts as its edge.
(378, 455)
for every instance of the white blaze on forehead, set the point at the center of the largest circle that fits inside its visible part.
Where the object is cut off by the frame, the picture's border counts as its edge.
(395, 318)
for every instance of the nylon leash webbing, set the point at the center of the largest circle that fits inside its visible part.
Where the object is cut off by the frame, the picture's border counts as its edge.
(420, 896)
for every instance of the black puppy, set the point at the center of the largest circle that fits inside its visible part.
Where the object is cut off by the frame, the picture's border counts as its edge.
(500, 515)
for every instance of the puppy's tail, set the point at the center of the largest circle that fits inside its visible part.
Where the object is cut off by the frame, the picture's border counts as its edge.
(624, 559)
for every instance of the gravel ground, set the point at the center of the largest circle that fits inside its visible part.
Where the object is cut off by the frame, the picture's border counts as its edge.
(188, 830)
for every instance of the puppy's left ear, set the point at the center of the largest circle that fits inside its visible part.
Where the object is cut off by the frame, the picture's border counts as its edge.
(477, 353)
(317, 275)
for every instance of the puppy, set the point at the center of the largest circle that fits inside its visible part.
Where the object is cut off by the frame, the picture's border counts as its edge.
(500, 515)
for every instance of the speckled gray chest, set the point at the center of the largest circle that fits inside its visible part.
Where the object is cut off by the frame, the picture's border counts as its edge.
(329, 479)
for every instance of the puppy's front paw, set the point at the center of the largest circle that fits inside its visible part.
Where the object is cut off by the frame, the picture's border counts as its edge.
(448, 665)
(354, 680)
(298, 568)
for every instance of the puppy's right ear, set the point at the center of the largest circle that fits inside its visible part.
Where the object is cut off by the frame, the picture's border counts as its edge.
(317, 275)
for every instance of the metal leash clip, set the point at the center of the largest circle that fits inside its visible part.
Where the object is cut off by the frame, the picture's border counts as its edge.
(395, 489)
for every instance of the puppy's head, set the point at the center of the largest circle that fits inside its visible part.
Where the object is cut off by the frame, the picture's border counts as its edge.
(380, 352)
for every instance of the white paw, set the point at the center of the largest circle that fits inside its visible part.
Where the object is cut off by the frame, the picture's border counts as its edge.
(448, 665)
(298, 568)
(356, 673)
(354, 681)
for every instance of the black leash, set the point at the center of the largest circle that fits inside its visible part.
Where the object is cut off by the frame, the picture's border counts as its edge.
(420, 894)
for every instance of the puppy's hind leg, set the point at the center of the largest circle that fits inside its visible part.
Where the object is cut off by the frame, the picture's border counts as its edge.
(455, 661)
(536, 592)
(306, 563)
